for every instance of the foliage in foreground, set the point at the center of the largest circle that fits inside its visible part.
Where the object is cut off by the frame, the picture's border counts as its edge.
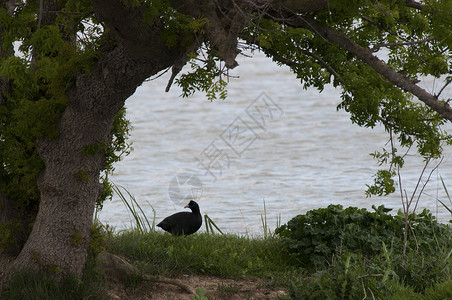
(354, 254)
(327, 253)
(350, 278)
(315, 238)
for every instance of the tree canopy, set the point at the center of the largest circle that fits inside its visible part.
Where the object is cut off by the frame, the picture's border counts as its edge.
(68, 66)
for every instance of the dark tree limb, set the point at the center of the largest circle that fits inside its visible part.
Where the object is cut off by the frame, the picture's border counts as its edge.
(365, 55)
(414, 4)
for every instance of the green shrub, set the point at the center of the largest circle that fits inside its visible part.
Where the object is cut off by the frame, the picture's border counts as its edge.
(336, 282)
(315, 238)
(350, 278)
(323, 239)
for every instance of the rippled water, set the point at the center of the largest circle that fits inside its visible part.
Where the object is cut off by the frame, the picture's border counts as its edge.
(304, 155)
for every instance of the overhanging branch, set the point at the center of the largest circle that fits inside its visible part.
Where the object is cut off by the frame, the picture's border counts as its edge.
(365, 55)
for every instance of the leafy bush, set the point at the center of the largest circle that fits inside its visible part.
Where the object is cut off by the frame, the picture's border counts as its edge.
(348, 278)
(315, 238)
(354, 254)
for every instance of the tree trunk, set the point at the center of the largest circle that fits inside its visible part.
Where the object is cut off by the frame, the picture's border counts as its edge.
(69, 184)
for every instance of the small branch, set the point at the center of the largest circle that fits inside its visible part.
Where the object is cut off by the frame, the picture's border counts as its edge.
(316, 57)
(414, 4)
(175, 70)
(288, 62)
(186, 288)
(407, 225)
(182, 60)
(378, 7)
(428, 179)
(418, 183)
(448, 81)
(370, 275)
(377, 47)
(41, 8)
(362, 283)
(158, 75)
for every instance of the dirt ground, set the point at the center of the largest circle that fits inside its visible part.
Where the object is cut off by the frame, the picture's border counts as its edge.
(183, 287)
(216, 289)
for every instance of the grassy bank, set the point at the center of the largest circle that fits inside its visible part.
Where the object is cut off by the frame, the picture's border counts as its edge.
(232, 256)
(329, 253)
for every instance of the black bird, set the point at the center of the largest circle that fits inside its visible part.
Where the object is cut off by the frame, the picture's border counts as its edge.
(183, 223)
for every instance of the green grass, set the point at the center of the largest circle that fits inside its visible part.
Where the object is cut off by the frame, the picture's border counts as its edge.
(142, 223)
(219, 255)
(38, 286)
(350, 276)
(349, 273)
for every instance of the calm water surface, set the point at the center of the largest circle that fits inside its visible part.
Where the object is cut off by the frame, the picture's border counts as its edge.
(302, 156)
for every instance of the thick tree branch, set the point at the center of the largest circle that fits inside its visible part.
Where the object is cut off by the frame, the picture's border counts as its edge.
(365, 55)
(227, 18)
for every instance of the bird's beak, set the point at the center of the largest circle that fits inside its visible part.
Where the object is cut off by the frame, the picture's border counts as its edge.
(187, 206)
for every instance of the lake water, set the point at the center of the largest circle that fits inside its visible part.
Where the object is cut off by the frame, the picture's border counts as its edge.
(271, 141)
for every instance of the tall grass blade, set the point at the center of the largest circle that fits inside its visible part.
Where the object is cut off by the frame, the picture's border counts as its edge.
(445, 206)
(210, 224)
(244, 221)
(141, 220)
(445, 189)
(264, 221)
(448, 197)
(208, 229)
(154, 216)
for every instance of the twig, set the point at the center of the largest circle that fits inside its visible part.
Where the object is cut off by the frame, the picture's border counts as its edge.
(414, 4)
(425, 184)
(378, 46)
(159, 75)
(320, 61)
(417, 184)
(373, 296)
(378, 7)
(442, 89)
(370, 275)
(41, 8)
(175, 282)
(364, 287)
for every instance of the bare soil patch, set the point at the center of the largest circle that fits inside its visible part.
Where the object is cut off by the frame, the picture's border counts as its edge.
(216, 288)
